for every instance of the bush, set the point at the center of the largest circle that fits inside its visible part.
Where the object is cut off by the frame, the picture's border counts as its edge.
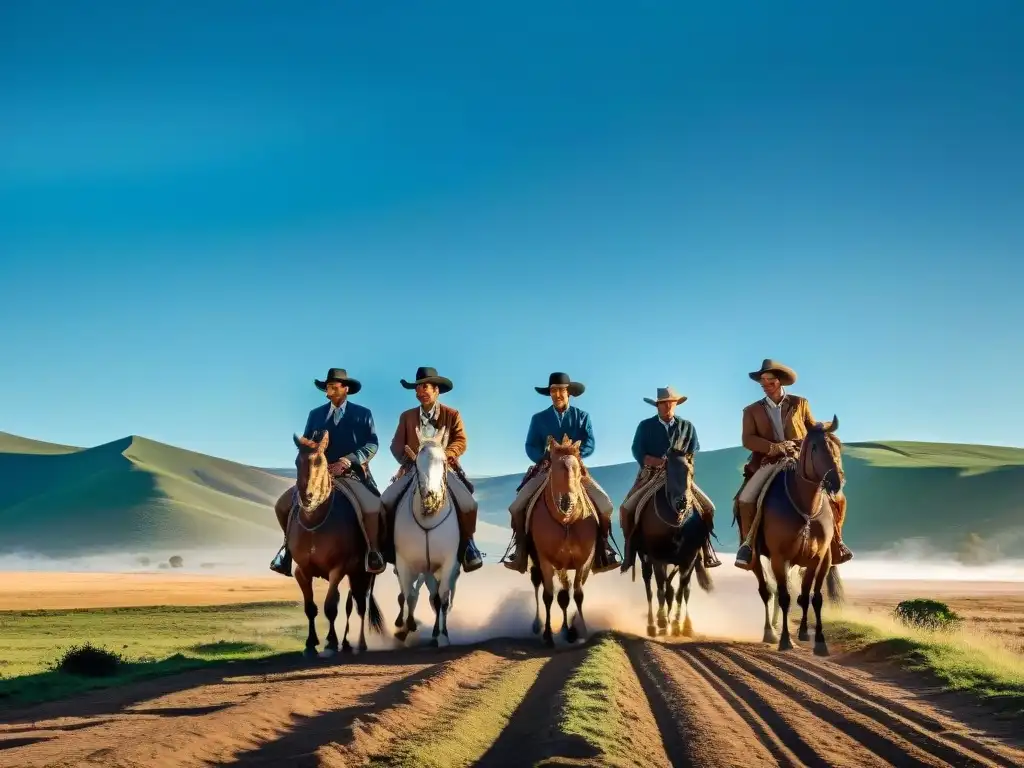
(176, 561)
(926, 614)
(89, 661)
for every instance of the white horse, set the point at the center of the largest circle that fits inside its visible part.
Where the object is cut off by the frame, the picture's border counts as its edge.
(427, 538)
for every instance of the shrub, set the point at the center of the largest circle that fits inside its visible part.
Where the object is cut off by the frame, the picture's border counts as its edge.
(89, 661)
(176, 561)
(926, 614)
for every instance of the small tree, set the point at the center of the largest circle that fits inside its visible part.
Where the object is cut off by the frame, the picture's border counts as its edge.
(176, 561)
(926, 614)
(88, 661)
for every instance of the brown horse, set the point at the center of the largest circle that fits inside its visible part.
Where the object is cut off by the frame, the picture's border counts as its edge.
(796, 530)
(323, 535)
(669, 537)
(562, 537)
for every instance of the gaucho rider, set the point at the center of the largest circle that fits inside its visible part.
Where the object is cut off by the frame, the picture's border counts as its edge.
(559, 420)
(773, 429)
(431, 413)
(352, 444)
(651, 442)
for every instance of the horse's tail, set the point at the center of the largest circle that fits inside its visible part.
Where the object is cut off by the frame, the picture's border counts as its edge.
(834, 586)
(704, 580)
(376, 617)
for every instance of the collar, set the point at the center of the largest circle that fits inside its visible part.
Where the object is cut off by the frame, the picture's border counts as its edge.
(561, 415)
(432, 413)
(668, 423)
(340, 409)
(772, 404)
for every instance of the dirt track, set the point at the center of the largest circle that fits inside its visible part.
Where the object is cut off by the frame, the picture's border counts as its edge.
(699, 703)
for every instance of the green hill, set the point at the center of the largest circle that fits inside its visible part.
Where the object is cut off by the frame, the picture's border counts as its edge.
(135, 494)
(129, 495)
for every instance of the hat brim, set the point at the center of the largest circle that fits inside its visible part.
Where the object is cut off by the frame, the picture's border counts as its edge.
(575, 389)
(786, 375)
(443, 384)
(353, 384)
(676, 400)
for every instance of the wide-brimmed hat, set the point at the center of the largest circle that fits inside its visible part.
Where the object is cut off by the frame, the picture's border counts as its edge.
(786, 374)
(559, 379)
(338, 374)
(666, 395)
(429, 376)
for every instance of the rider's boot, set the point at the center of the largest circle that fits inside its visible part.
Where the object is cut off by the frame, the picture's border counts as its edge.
(628, 555)
(517, 559)
(374, 561)
(606, 559)
(840, 552)
(710, 558)
(745, 554)
(471, 557)
(282, 562)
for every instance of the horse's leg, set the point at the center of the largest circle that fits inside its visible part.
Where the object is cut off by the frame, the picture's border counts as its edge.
(401, 610)
(563, 601)
(803, 601)
(757, 566)
(346, 646)
(537, 580)
(547, 573)
(659, 577)
(433, 586)
(820, 647)
(670, 594)
(405, 585)
(577, 593)
(780, 571)
(776, 608)
(331, 601)
(449, 575)
(362, 588)
(679, 603)
(306, 585)
(684, 592)
(647, 570)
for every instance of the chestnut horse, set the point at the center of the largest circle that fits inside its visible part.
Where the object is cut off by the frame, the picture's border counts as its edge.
(796, 530)
(669, 536)
(562, 537)
(323, 535)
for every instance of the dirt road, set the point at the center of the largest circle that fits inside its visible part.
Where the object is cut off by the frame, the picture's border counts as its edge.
(617, 700)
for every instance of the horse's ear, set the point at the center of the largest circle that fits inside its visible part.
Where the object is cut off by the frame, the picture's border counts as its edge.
(442, 436)
(322, 446)
(297, 440)
(834, 424)
(565, 440)
(419, 434)
(551, 442)
(576, 445)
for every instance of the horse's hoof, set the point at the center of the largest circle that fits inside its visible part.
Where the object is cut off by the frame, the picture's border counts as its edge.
(549, 640)
(399, 622)
(401, 634)
(310, 652)
(651, 630)
(346, 647)
(785, 644)
(770, 637)
(803, 635)
(572, 635)
(442, 641)
(536, 626)
(820, 649)
(687, 629)
(433, 642)
(328, 653)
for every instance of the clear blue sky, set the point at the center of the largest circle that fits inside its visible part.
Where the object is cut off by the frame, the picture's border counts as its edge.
(203, 206)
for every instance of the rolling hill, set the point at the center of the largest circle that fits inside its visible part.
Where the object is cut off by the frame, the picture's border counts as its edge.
(134, 493)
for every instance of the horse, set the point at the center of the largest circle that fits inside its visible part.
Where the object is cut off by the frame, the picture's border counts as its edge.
(796, 531)
(427, 539)
(325, 540)
(669, 536)
(562, 537)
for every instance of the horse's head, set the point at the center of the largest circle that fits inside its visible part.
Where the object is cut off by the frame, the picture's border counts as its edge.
(432, 469)
(566, 474)
(678, 476)
(821, 456)
(312, 479)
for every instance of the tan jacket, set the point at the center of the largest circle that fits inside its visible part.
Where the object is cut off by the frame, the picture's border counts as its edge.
(758, 435)
(410, 420)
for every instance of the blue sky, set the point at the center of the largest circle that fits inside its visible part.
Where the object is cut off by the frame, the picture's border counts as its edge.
(204, 206)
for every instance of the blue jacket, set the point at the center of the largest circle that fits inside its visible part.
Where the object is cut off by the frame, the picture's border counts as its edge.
(354, 437)
(575, 423)
(652, 439)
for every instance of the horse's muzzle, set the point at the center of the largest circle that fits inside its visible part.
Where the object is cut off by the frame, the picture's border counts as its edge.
(565, 503)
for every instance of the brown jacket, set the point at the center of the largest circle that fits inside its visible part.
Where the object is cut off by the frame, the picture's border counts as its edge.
(410, 420)
(758, 434)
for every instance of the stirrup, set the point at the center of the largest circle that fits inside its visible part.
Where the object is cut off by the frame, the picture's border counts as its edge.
(744, 557)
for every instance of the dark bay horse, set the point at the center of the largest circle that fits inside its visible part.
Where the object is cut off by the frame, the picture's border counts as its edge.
(562, 537)
(669, 537)
(326, 541)
(796, 530)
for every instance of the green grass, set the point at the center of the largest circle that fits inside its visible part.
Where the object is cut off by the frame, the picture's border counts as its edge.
(968, 662)
(152, 640)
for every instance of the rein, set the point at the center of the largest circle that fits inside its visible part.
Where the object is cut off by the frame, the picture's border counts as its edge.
(418, 494)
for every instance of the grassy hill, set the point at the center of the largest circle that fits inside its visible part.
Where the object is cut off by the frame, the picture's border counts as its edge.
(135, 493)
